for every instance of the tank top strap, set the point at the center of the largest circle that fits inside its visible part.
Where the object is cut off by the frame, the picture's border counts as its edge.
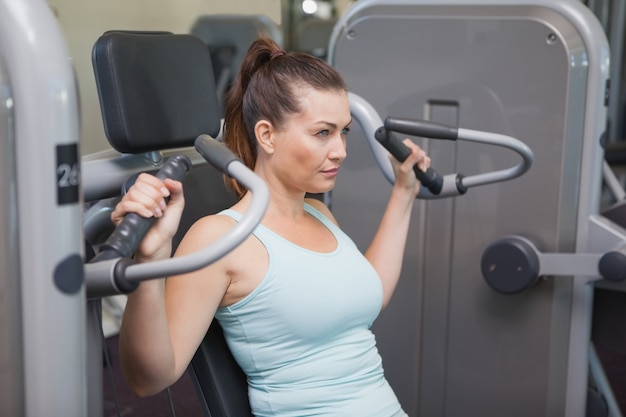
(262, 233)
(235, 215)
(321, 217)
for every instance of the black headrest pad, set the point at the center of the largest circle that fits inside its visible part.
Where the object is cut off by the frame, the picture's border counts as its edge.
(156, 90)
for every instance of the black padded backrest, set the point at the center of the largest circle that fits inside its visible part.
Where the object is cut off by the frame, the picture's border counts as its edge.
(220, 382)
(156, 90)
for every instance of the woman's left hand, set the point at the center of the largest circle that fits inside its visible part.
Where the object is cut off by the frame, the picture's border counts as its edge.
(405, 177)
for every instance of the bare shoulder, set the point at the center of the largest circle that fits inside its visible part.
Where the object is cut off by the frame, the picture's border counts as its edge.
(322, 208)
(231, 277)
(205, 231)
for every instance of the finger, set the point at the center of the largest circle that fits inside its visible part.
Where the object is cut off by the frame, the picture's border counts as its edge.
(152, 181)
(125, 207)
(174, 187)
(145, 198)
(424, 164)
(418, 155)
(147, 195)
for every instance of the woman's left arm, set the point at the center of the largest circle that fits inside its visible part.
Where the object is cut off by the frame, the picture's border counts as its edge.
(386, 251)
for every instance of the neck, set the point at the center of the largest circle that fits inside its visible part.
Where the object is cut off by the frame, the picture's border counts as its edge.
(281, 206)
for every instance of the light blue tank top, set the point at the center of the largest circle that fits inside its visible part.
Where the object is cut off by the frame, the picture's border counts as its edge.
(303, 335)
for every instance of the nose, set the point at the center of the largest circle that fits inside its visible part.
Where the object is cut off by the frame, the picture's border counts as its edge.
(338, 148)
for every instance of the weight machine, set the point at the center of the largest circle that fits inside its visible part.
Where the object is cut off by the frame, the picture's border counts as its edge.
(47, 262)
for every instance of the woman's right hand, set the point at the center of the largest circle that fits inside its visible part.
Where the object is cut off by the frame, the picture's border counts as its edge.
(147, 197)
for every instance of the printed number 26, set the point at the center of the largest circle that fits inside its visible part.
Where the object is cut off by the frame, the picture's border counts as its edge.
(67, 175)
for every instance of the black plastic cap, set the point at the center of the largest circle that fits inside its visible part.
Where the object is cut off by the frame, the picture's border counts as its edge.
(510, 265)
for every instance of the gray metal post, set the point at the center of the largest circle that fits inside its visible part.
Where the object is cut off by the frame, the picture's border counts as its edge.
(11, 369)
(49, 248)
(616, 42)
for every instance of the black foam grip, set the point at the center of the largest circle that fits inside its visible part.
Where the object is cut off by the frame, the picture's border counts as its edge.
(421, 128)
(429, 179)
(216, 153)
(128, 234)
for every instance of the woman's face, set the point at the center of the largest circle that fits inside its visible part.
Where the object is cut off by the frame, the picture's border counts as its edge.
(311, 146)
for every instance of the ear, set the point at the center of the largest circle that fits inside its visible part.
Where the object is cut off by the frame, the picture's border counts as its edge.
(264, 132)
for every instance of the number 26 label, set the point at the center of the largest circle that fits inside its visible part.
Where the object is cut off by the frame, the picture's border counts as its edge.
(68, 174)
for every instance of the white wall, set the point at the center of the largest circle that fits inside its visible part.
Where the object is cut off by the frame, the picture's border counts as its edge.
(83, 21)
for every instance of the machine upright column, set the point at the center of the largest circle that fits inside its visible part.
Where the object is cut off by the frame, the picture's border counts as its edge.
(43, 219)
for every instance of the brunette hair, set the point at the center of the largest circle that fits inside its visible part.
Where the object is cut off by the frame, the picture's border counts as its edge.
(265, 89)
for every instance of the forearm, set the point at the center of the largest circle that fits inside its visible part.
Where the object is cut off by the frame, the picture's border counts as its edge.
(386, 251)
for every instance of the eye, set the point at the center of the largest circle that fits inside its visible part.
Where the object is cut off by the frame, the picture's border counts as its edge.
(345, 131)
(323, 133)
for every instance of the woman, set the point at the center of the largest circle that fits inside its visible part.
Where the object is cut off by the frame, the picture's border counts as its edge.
(296, 299)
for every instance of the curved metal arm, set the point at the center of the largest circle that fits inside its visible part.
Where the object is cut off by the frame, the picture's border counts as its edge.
(370, 121)
(121, 276)
(260, 193)
(453, 184)
(498, 140)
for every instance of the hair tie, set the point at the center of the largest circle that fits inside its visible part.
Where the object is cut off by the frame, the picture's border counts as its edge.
(277, 53)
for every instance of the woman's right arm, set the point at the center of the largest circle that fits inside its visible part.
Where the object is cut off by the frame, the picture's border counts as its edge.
(165, 319)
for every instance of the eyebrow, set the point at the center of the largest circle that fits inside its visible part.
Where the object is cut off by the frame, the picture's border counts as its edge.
(332, 125)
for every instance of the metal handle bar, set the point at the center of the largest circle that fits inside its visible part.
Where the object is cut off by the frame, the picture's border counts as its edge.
(121, 275)
(236, 169)
(453, 184)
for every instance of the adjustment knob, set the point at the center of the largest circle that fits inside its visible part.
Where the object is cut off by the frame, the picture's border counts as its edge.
(510, 265)
(612, 266)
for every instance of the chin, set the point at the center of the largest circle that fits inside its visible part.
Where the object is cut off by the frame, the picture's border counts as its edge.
(320, 190)
(321, 187)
